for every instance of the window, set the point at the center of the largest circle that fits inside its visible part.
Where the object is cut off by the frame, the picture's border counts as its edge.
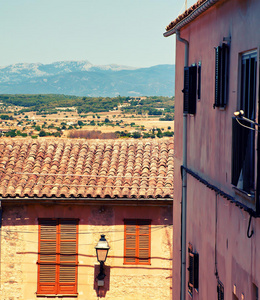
(137, 247)
(57, 258)
(220, 290)
(193, 270)
(221, 75)
(243, 138)
(190, 90)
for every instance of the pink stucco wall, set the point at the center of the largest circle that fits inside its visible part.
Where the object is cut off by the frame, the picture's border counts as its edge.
(209, 155)
(19, 247)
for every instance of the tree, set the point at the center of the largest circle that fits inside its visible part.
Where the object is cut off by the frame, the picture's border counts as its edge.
(80, 123)
(11, 133)
(136, 135)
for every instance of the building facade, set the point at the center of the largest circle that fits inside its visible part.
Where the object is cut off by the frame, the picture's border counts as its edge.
(216, 208)
(59, 196)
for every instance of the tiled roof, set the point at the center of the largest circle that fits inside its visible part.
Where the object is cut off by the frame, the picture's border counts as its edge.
(185, 14)
(65, 168)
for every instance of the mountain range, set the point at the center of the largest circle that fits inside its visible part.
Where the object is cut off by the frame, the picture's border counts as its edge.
(81, 78)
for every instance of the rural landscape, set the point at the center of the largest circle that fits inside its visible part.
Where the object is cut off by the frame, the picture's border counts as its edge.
(37, 116)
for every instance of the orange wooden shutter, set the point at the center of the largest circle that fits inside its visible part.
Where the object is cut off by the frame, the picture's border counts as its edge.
(144, 242)
(137, 242)
(57, 263)
(130, 242)
(68, 257)
(47, 268)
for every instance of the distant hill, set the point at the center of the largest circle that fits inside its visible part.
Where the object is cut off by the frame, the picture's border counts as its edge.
(81, 78)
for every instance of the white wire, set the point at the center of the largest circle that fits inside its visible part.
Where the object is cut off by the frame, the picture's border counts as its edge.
(246, 126)
(181, 8)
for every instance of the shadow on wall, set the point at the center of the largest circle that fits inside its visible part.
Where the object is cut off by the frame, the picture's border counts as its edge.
(100, 289)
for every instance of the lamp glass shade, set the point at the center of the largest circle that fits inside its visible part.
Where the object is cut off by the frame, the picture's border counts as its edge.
(102, 248)
(101, 255)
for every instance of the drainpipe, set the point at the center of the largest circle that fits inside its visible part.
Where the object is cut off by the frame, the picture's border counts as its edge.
(184, 182)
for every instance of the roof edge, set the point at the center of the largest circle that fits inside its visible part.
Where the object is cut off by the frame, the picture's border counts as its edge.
(190, 17)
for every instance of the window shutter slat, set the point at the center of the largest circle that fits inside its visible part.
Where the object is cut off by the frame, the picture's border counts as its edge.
(47, 273)
(67, 273)
(144, 241)
(48, 251)
(130, 241)
(130, 255)
(68, 251)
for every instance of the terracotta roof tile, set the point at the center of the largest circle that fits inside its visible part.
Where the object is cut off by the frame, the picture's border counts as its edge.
(88, 169)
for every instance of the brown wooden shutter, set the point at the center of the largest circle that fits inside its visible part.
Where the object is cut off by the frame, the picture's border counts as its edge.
(57, 263)
(137, 242)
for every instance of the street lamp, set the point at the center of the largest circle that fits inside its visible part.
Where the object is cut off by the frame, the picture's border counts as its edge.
(102, 248)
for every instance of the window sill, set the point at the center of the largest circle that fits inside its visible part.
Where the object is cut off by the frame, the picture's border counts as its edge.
(245, 198)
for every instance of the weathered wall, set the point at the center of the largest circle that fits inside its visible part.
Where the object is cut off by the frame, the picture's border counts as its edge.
(209, 155)
(19, 245)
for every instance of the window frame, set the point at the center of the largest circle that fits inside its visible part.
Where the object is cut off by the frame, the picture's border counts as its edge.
(58, 287)
(138, 223)
(248, 195)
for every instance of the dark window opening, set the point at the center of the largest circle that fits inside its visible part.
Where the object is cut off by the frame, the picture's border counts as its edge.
(221, 75)
(243, 133)
(199, 81)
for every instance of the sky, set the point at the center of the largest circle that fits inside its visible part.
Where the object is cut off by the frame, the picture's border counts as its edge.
(123, 32)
